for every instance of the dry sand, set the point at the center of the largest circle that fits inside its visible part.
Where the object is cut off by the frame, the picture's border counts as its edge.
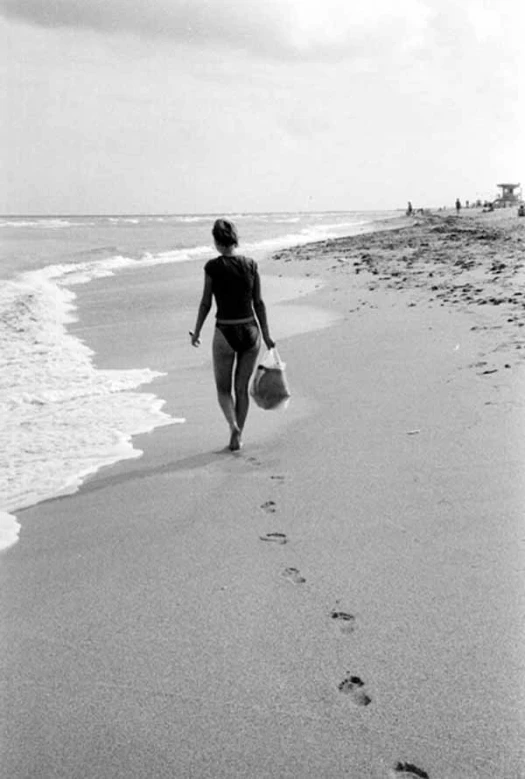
(153, 626)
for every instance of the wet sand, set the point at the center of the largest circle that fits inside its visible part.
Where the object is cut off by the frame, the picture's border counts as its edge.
(345, 597)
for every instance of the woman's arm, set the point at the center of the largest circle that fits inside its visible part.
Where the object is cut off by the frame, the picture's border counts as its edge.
(260, 311)
(204, 309)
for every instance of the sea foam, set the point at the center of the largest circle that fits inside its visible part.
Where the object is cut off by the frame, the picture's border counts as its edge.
(61, 419)
(42, 223)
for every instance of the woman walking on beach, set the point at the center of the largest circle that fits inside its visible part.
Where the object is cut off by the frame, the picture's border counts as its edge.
(233, 280)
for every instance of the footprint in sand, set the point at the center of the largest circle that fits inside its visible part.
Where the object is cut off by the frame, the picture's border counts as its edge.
(408, 770)
(277, 538)
(345, 620)
(269, 506)
(277, 477)
(293, 575)
(353, 687)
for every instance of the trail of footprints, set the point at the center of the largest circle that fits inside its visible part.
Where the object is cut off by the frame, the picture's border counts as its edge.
(293, 575)
(345, 621)
(408, 770)
(351, 686)
(278, 538)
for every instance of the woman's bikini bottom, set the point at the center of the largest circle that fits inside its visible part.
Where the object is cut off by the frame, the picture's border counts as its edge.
(241, 336)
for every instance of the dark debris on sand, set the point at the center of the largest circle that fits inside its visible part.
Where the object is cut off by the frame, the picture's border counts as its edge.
(457, 261)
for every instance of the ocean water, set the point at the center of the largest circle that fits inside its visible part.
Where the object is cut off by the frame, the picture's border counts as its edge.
(61, 419)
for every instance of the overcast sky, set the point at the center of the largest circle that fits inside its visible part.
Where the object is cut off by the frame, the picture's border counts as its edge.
(155, 106)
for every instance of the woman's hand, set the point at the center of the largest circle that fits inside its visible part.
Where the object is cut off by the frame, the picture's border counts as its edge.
(269, 343)
(195, 339)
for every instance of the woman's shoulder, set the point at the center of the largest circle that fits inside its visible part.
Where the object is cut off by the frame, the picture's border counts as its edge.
(211, 265)
(217, 264)
(248, 262)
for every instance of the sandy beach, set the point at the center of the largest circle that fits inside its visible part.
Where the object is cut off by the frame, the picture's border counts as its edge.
(344, 597)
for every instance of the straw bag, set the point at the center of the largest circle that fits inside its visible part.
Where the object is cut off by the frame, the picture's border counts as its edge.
(269, 387)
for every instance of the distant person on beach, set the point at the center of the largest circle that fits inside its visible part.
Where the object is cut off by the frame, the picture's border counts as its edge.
(233, 280)
(458, 205)
(409, 209)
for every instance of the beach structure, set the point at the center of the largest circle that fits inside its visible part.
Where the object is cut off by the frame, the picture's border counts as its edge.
(508, 196)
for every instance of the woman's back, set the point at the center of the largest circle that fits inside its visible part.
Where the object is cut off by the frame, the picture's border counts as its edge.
(233, 278)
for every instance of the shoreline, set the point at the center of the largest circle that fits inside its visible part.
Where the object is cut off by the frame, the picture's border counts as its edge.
(168, 638)
(10, 526)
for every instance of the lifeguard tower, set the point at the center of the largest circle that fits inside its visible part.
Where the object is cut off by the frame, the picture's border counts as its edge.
(508, 197)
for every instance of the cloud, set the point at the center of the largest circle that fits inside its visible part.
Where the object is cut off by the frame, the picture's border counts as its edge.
(283, 29)
(373, 35)
(177, 19)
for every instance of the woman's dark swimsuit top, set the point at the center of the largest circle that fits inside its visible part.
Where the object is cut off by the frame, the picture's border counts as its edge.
(233, 279)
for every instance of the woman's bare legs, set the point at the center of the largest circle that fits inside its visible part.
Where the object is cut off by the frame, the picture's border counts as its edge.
(243, 371)
(223, 362)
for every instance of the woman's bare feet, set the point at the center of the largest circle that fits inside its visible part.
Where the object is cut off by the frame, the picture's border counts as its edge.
(235, 441)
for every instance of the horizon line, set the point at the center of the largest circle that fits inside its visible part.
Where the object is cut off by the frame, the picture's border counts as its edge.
(194, 213)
